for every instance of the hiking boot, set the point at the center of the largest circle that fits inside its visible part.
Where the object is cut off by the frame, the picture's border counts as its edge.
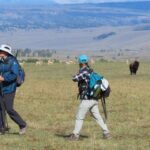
(7, 129)
(73, 137)
(23, 130)
(106, 136)
(2, 131)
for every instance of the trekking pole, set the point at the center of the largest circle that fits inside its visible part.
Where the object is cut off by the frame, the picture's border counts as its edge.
(3, 109)
(104, 106)
(3, 113)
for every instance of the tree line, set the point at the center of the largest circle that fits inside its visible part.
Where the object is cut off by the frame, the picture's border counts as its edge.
(27, 52)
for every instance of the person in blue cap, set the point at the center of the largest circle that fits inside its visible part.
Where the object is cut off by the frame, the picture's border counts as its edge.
(87, 103)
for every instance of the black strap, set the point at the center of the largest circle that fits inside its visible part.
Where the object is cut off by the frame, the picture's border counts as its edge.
(104, 107)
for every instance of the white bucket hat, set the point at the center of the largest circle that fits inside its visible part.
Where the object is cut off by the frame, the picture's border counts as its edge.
(104, 84)
(6, 48)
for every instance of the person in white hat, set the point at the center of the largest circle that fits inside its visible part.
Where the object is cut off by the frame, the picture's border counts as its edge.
(9, 69)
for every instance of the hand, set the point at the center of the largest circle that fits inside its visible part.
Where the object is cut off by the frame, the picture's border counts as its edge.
(73, 77)
(1, 79)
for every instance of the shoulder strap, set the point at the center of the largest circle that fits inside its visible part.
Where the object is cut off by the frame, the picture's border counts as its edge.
(11, 61)
(15, 58)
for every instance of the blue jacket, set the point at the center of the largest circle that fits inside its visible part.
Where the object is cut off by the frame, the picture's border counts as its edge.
(9, 70)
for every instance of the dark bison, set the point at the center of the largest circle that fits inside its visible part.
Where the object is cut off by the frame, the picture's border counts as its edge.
(134, 67)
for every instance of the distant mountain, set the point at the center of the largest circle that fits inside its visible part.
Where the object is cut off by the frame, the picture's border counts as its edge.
(71, 16)
(140, 5)
(26, 2)
(143, 28)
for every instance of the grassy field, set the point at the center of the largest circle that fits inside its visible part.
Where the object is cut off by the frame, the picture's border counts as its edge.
(47, 101)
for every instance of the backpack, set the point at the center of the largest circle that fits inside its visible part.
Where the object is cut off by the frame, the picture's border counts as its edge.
(21, 76)
(98, 86)
(21, 73)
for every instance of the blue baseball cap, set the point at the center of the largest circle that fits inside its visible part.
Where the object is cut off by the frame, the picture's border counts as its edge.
(83, 59)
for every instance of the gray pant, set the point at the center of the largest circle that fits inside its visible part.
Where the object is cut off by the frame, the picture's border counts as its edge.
(84, 107)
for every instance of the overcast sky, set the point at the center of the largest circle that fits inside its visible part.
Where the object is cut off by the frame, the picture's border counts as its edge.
(92, 1)
(63, 1)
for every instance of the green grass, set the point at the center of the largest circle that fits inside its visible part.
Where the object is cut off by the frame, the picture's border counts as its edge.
(47, 101)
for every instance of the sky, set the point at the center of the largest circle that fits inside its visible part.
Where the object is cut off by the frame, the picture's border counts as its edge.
(61, 1)
(91, 1)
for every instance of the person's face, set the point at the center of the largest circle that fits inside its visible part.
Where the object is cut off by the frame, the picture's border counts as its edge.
(82, 65)
(3, 54)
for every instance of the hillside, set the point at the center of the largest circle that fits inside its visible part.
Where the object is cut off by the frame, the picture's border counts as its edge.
(72, 16)
(79, 27)
(133, 41)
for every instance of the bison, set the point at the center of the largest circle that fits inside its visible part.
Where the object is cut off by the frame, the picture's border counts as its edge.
(134, 67)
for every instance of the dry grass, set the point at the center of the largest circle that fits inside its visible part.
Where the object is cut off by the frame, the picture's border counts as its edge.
(48, 103)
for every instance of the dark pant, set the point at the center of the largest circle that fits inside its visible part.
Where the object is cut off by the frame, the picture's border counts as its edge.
(8, 100)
